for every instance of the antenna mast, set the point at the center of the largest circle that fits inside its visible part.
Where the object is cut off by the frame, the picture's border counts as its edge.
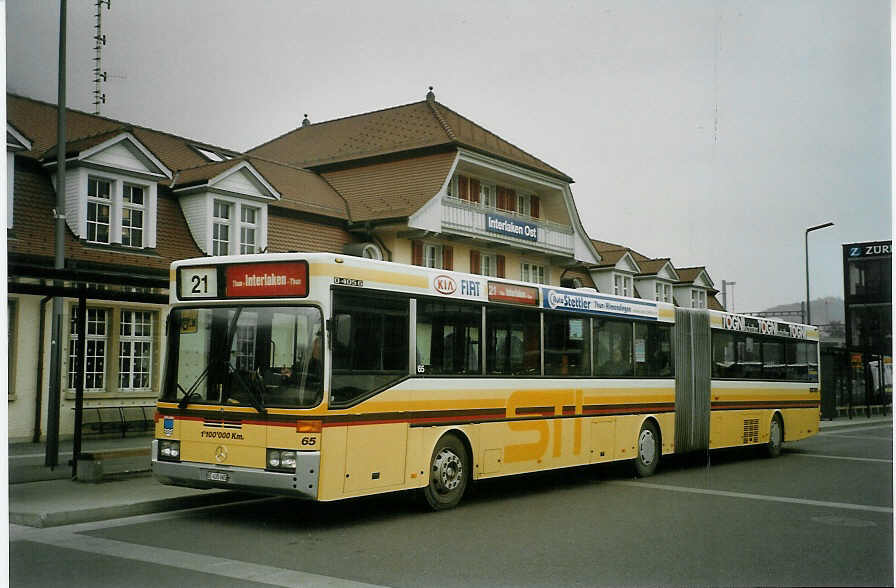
(99, 76)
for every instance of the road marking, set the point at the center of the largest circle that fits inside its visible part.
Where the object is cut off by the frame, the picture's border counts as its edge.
(842, 457)
(843, 505)
(219, 566)
(887, 439)
(852, 429)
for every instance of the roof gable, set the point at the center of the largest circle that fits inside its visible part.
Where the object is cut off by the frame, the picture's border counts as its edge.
(244, 179)
(125, 152)
(15, 140)
(698, 276)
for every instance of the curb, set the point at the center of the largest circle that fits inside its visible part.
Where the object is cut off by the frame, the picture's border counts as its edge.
(103, 513)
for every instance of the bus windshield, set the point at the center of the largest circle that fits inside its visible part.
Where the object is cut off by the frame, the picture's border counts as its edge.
(257, 356)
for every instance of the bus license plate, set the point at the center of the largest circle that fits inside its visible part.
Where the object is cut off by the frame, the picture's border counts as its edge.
(218, 476)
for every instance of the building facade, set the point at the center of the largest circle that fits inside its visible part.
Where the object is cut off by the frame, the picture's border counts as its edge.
(868, 300)
(417, 184)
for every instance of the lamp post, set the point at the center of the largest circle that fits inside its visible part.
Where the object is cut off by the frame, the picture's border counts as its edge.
(810, 229)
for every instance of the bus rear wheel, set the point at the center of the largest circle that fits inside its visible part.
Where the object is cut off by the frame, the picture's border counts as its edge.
(648, 450)
(775, 437)
(449, 474)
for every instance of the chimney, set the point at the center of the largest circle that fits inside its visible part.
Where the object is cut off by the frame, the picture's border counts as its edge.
(430, 97)
(305, 121)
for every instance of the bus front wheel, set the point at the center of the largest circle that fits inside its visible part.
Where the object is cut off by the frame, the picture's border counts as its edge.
(648, 450)
(775, 437)
(449, 473)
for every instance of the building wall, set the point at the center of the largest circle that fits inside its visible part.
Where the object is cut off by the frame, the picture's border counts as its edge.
(23, 365)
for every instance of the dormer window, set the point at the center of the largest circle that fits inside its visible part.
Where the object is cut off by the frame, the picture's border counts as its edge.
(622, 285)
(663, 292)
(698, 299)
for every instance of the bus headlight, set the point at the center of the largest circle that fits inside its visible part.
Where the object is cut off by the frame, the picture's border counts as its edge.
(169, 450)
(281, 460)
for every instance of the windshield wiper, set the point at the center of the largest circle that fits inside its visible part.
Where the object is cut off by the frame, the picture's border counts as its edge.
(256, 396)
(188, 394)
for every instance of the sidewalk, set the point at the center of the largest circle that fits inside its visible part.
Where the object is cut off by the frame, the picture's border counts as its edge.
(53, 502)
(41, 497)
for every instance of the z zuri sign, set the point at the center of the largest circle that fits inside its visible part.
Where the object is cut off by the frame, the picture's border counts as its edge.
(878, 248)
(594, 304)
(511, 228)
(498, 292)
(266, 280)
(461, 288)
(746, 324)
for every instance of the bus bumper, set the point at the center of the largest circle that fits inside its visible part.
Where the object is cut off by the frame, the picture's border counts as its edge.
(302, 484)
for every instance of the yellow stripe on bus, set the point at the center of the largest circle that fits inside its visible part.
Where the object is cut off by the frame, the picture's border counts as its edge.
(368, 275)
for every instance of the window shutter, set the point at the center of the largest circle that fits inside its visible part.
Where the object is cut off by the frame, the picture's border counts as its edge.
(499, 193)
(474, 190)
(536, 206)
(500, 264)
(447, 257)
(417, 252)
(475, 266)
(463, 188)
(511, 200)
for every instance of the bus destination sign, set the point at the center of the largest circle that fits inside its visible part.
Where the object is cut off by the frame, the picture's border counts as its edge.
(596, 304)
(266, 280)
(498, 292)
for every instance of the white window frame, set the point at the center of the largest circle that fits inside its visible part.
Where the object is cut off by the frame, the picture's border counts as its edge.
(236, 227)
(221, 246)
(432, 256)
(623, 285)
(98, 336)
(698, 298)
(247, 227)
(99, 201)
(524, 204)
(487, 195)
(131, 228)
(663, 292)
(488, 265)
(533, 272)
(135, 335)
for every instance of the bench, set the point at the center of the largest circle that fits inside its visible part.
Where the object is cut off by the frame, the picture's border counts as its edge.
(91, 466)
(117, 419)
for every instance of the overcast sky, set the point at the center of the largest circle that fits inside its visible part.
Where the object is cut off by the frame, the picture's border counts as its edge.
(711, 132)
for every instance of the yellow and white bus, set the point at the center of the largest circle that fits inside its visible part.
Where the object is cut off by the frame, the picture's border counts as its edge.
(328, 376)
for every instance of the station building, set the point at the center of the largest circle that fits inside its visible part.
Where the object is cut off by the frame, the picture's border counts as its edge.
(417, 184)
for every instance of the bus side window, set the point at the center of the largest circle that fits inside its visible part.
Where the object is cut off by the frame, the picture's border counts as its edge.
(370, 349)
(613, 348)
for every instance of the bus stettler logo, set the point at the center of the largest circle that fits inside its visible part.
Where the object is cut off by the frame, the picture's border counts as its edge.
(220, 453)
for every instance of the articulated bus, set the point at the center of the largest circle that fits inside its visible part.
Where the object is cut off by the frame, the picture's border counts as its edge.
(328, 376)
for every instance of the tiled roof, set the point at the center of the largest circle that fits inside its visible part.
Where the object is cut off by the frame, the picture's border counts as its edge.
(689, 274)
(37, 120)
(650, 267)
(392, 189)
(420, 125)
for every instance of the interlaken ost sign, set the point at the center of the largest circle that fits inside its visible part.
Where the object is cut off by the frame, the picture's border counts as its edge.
(509, 227)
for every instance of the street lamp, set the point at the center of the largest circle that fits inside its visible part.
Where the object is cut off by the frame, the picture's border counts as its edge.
(815, 228)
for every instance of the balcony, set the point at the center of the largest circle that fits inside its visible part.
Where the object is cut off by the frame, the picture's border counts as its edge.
(468, 218)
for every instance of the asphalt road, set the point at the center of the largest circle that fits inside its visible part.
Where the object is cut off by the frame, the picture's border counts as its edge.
(819, 515)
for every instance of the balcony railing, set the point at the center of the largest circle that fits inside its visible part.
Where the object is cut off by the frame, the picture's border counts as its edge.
(468, 218)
